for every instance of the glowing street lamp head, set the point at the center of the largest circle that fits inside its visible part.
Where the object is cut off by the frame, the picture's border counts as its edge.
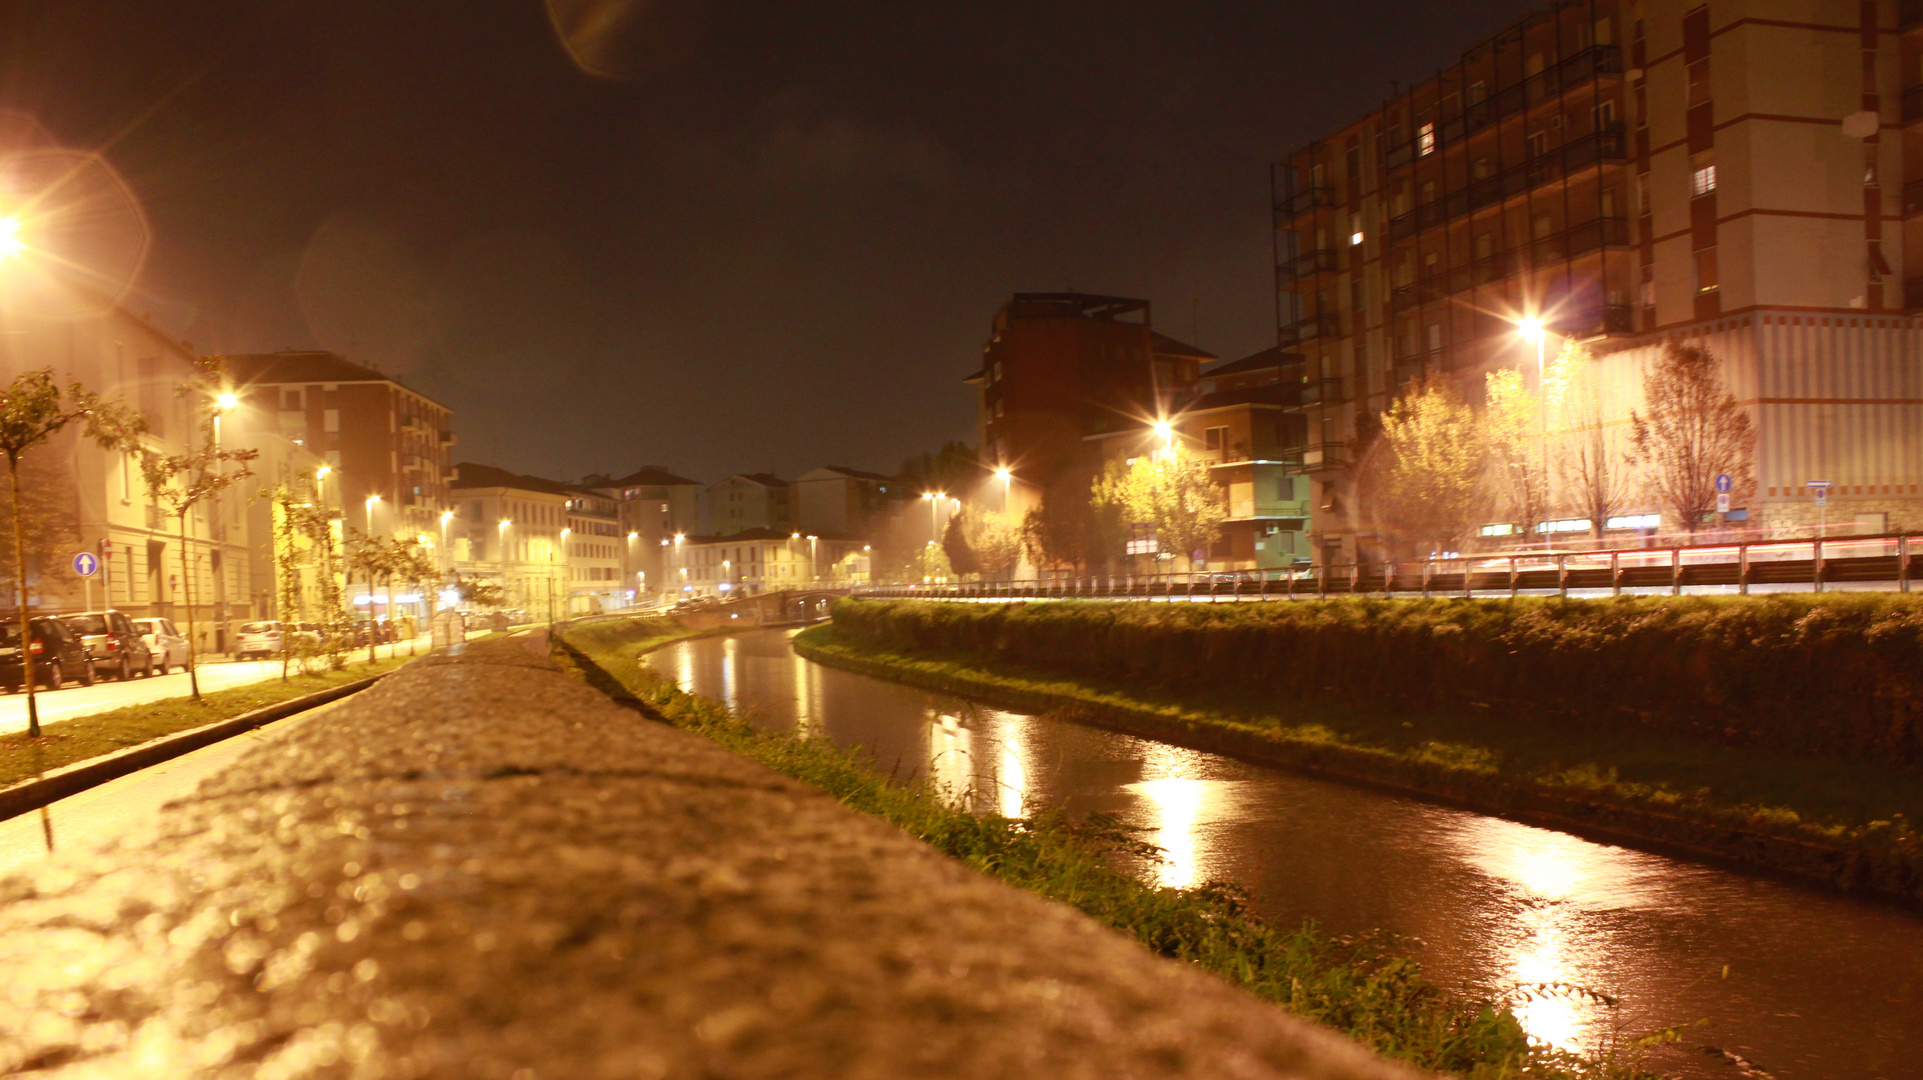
(227, 400)
(1166, 430)
(372, 499)
(565, 532)
(321, 473)
(1004, 474)
(10, 242)
(1531, 329)
(504, 524)
(446, 516)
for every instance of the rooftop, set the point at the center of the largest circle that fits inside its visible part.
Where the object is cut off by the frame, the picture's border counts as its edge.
(303, 367)
(470, 474)
(647, 475)
(1268, 359)
(1165, 345)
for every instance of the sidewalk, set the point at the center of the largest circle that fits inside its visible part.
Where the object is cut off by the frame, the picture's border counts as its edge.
(482, 868)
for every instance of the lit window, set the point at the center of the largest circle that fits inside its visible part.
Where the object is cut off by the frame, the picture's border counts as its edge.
(1634, 521)
(1499, 529)
(1355, 239)
(1702, 173)
(1706, 279)
(1426, 140)
(1563, 526)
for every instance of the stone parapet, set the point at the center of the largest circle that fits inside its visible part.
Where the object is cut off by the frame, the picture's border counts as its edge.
(481, 868)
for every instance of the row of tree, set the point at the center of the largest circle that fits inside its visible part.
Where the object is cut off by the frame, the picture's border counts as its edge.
(1443, 465)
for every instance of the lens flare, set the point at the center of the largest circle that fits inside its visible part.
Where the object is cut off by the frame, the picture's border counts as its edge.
(73, 237)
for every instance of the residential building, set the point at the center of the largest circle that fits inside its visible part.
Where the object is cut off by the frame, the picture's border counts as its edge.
(838, 501)
(507, 531)
(655, 506)
(765, 560)
(1735, 175)
(596, 550)
(748, 501)
(1060, 367)
(387, 444)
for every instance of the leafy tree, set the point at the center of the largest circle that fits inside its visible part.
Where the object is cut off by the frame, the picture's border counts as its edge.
(1594, 462)
(953, 469)
(34, 409)
(1690, 430)
(1074, 525)
(304, 538)
(479, 593)
(1173, 493)
(1430, 486)
(47, 521)
(1515, 425)
(996, 540)
(954, 544)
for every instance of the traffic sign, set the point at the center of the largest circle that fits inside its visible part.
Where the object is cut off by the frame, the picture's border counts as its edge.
(1822, 496)
(1722, 502)
(1819, 485)
(86, 564)
(1722, 483)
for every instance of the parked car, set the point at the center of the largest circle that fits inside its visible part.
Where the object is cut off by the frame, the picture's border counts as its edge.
(261, 639)
(168, 647)
(307, 633)
(113, 643)
(57, 655)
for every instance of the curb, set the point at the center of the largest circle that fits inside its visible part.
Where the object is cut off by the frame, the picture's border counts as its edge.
(81, 775)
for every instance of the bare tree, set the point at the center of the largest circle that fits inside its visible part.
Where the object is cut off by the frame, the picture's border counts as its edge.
(181, 482)
(1594, 462)
(1690, 431)
(34, 409)
(1429, 490)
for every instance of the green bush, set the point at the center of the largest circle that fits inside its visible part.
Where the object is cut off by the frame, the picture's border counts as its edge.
(1838, 675)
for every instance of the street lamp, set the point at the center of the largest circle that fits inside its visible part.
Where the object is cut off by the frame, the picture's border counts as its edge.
(447, 556)
(1167, 432)
(934, 510)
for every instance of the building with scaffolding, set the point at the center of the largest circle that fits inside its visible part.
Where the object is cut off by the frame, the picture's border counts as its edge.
(1632, 172)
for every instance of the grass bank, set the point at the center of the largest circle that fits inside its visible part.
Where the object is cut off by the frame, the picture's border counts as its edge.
(1835, 819)
(64, 742)
(1358, 986)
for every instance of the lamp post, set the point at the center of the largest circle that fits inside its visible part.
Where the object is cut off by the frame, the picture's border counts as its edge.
(447, 555)
(934, 512)
(223, 401)
(1007, 476)
(632, 537)
(371, 500)
(813, 573)
(501, 542)
(551, 571)
(1532, 329)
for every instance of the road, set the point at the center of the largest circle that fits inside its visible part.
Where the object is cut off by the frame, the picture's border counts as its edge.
(125, 809)
(76, 700)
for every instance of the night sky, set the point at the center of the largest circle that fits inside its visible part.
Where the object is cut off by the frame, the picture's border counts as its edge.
(717, 236)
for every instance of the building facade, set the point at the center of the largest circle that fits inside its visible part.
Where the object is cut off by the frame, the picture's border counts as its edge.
(747, 501)
(1632, 172)
(596, 549)
(655, 507)
(1059, 368)
(764, 560)
(507, 531)
(838, 501)
(387, 445)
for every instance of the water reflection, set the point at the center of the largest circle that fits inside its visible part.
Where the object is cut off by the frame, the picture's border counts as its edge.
(1822, 986)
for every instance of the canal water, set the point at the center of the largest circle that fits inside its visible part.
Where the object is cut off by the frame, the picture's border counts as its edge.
(1795, 982)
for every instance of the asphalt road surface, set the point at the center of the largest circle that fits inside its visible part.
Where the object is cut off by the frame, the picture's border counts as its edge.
(106, 694)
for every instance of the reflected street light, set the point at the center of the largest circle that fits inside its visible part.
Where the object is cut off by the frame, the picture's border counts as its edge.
(1531, 328)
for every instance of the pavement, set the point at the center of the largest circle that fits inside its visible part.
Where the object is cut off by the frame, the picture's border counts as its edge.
(108, 693)
(481, 868)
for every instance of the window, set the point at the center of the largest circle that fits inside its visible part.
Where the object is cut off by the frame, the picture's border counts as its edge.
(1477, 93)
(1355, 230)
(1635, 521)
(1642, 195)
(1702, 173)
(1434, 331)
(1425, 140)
(1499, 529)
(1699, 83)
(1485, 246)
(1215, 438)
(1706, 279)
(1355, 297)
(293, 401)
(1538, 143)
(1428, 193)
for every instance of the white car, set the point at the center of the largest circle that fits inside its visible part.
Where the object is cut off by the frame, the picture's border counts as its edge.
(165, 642)
(260, 639)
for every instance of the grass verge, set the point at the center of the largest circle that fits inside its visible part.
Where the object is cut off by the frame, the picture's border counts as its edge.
(1837, 821)
(1358, 986)
(64, 742)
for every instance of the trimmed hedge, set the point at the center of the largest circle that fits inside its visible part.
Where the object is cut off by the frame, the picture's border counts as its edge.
(1838, 674)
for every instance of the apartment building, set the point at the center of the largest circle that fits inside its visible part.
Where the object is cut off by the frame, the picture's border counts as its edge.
(507, 530)
(1735, 175)
(655, 507)
(596, 549)
(1060, 368)
(838, 501)
(386, 444)
(747, 501)
(764, 560)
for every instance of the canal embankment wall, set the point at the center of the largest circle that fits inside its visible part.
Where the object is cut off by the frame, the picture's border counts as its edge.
(484, 868)
(1836, 675)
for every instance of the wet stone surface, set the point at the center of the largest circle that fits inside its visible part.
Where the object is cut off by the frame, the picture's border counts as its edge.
(483, 869)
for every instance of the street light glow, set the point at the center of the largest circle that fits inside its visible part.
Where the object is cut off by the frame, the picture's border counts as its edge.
(227, 400)
(1004, 474)
(10, 242)
(321, 473)
(1531, 329)
(447, 516)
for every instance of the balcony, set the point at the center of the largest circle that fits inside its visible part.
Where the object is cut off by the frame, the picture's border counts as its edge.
(1321, 391)
(1315, 326)
(1601, 146)
(1301, 202)
(1325, 456)
(1304, 266)
(1568, 244)
(1514, 98)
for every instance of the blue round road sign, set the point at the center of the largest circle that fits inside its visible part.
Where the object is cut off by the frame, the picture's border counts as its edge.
(1722, 483)
(86, 563)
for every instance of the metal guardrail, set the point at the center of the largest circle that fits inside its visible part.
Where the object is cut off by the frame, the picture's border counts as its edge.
(1893, 559)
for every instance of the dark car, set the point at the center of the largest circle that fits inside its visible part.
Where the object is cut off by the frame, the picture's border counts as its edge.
(58, 655)
(113, 642)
